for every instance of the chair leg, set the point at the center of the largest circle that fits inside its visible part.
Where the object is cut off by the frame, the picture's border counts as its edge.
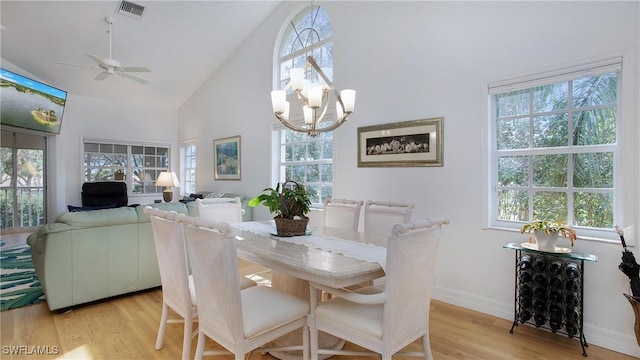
(202, 338)
(305, 343)
(426, 347)
(163, 326)
(186, 338)
(313, 342)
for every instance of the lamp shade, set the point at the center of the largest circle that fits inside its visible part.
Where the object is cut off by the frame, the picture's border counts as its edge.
(167, 178)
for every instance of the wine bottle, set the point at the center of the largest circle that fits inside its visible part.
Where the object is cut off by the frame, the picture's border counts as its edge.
(540, 264)
(572, 285)
(572, 270)
(525, 261)
(540, 293)
(555, 266)
(555, 296)
(555, 317)
(525, 315)
(555, 282)
(525, 290)
(540, 279)
(539, 306)
(571, 300)
(539, 319)
(525, 276)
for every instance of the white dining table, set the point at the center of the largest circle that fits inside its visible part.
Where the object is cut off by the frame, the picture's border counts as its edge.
(296, 261)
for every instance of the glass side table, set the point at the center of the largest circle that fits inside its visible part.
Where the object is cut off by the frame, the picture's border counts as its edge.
(549, 290)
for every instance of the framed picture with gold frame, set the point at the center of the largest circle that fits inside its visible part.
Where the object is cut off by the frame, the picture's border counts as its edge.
(402, 144)
(226, 155)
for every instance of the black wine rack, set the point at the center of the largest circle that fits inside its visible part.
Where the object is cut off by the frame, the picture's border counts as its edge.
(549, 291)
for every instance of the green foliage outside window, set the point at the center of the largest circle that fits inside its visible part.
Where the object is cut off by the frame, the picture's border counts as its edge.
(549, 165)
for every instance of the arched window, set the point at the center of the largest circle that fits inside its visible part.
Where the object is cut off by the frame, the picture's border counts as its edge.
(305, 159)
(308, 33)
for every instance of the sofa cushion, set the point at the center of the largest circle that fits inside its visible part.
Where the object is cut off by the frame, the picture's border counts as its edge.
(89, 208)
(105, 217)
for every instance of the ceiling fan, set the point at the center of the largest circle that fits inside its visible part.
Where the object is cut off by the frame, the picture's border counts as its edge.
(110, 66)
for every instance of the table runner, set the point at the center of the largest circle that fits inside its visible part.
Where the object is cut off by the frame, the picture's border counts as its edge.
(354, 249)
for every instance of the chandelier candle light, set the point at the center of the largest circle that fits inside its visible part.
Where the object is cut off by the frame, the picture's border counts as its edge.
(314, 97)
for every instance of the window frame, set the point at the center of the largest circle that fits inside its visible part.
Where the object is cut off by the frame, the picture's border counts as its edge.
(296, 117)
(623, 211)
(129, 167)
(184, 168)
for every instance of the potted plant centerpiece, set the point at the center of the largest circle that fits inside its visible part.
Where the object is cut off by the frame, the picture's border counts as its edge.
(545, 233)
(290, 203)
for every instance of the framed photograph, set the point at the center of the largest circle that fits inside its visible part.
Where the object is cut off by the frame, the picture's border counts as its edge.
(226, 154)
(403, 144)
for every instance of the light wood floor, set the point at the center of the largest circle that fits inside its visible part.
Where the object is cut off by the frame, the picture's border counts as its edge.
(126, 328)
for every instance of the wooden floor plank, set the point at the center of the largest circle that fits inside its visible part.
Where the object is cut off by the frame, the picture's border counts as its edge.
(126, 328)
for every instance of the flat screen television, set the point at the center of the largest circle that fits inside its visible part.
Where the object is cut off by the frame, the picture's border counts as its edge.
(30, 104)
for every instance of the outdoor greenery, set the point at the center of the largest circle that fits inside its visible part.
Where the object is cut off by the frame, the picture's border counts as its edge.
(22, 193)
(551, 160)
(308, 160)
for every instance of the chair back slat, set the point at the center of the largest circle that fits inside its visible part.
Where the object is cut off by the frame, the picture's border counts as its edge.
(227, 210)
(168, 236)
(214, 262)
(411, 258)
(342, 213)
(381, 216)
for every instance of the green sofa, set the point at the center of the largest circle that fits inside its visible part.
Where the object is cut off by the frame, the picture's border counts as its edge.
(92, 255)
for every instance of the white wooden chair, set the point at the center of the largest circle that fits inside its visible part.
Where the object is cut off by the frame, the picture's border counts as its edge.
(342, 213)
(381, 216)
(177, 290)
(177, 285)
(385, 321)
(238, 320)
(227, 210)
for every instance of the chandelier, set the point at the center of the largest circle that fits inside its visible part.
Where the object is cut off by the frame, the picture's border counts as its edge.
(314, 98)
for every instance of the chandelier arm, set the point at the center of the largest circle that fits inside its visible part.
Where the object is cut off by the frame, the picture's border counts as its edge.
(284, 122)
(324, 77)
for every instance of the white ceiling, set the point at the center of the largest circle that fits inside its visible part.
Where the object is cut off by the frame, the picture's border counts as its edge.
(182, 42)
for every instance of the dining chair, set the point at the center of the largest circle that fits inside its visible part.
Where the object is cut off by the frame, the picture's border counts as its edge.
(227, 210)
(381, 216)
(177, 285)
(385, 321)
(240, 320)
(342, 213)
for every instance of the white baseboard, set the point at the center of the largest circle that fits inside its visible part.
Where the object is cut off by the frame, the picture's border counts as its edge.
(615, 341)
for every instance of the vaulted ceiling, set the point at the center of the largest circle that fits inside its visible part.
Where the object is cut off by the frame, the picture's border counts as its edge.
(181, 42)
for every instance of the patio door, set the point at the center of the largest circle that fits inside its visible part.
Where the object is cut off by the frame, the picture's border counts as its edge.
(22, 181)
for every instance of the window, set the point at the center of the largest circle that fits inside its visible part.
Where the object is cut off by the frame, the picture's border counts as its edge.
(188, 168)
(306, 160)
(108, 160)
(555, 148)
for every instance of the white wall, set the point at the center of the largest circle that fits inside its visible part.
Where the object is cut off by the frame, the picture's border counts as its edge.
(86, 117)
(413, 60)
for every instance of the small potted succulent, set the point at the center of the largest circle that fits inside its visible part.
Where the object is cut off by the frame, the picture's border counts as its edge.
(290, 203)
(545, 233)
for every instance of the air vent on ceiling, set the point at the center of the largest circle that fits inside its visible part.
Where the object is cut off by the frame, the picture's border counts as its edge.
(130, 9)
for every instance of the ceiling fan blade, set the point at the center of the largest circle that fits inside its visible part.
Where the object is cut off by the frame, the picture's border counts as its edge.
(132, 77)
(135, 69)
(103, 75)
(98, 60)
(79, 65)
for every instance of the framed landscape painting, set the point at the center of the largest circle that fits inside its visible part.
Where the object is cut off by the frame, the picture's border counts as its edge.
(226, 154)
(403, 144)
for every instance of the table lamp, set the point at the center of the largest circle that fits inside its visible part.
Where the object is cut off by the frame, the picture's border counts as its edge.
(169, 180)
